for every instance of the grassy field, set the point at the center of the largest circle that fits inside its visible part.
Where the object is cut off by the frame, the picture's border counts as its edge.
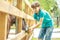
(52, 39)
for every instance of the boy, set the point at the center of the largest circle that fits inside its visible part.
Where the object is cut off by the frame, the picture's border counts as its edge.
(46, 21)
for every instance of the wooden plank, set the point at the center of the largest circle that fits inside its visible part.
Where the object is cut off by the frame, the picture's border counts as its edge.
(20, 36)
(31, 21)
(27, 3)
(31, 15)
(29, 6)
(28, 21)
(19, 6)
(3, 26)
(27, 12)
(19, 27)
(26, 9)
(10, 2)
(6, 7)
(30, 12)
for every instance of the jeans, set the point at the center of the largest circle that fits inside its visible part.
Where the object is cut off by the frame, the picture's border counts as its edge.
(47, 32)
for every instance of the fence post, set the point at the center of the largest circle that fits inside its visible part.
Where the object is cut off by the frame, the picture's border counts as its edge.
(19, 6)
(3, 26)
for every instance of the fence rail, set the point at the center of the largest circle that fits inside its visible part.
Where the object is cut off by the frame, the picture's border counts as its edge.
(6, 8)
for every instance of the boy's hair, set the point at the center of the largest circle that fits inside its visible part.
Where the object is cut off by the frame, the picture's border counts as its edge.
(35, 4)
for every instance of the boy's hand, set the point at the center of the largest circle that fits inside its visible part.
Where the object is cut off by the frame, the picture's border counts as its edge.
(31, 30)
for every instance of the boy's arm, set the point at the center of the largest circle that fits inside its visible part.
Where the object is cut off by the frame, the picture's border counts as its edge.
(36, 25)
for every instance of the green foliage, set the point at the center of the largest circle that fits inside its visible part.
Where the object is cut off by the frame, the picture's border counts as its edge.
(45, 4)
(31, 1)
(56, 10)
(56, 14)
(49, 5)
(52, 38)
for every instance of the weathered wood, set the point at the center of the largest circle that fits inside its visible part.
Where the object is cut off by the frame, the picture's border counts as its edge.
(10, 18)
(26, 9)
(10, 2)
(31, 21)
(27, 12)
(19, 6)
(19, 26)
(20, 36)
(3, 26)
(27, 3)
(31, 15)
(9, 9)
(6, 7)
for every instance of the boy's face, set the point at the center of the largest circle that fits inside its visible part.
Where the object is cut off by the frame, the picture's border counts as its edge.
(36, 10)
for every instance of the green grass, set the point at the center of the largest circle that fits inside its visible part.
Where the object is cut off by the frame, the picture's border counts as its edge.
(34, 38)
(52, 38)
(56, 39)
(55, 26)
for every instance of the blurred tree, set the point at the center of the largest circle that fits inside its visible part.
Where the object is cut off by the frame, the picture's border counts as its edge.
(56, 13)
(45, 4)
